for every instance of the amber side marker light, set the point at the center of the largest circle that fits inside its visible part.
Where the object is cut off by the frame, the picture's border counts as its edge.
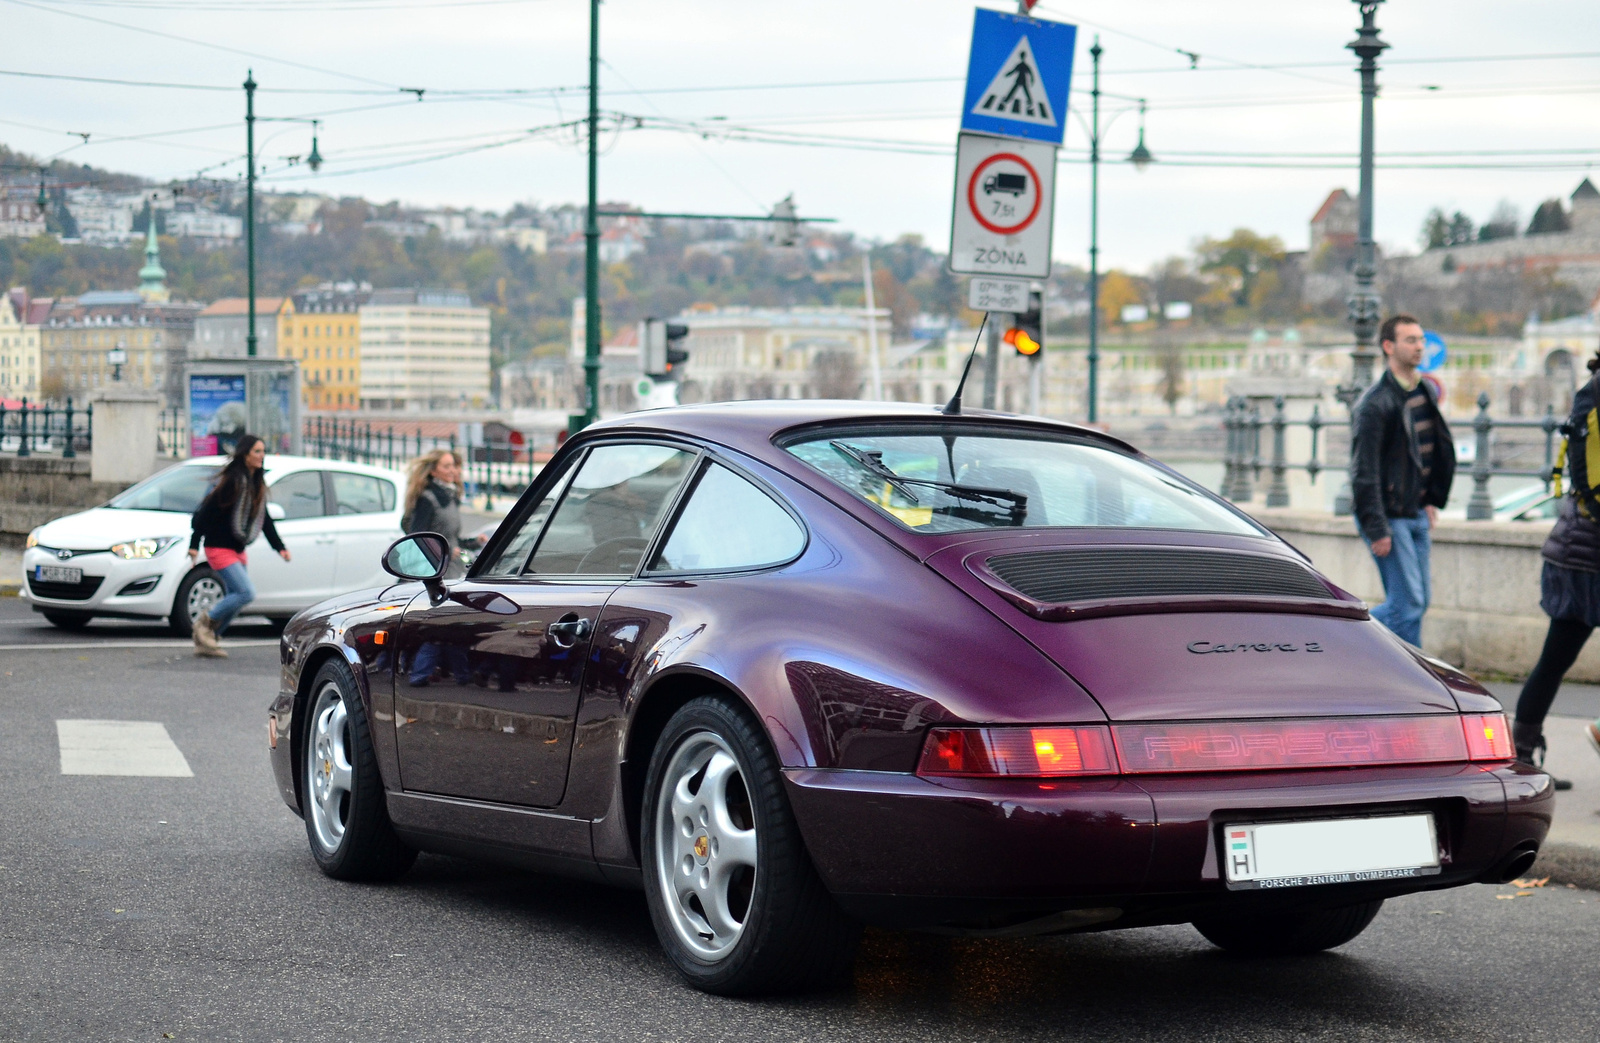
(1017, 752)
(1488, 737)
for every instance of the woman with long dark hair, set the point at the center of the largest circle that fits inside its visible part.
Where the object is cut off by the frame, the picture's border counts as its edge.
(229, 519)
(1569, 589)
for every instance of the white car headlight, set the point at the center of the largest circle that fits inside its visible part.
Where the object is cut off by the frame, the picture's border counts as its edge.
(33, 538)
(147, 547)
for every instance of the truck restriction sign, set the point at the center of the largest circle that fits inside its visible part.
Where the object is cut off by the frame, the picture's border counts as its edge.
(1004, 205)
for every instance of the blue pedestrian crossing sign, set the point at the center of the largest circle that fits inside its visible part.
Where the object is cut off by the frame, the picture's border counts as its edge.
(1017, 77)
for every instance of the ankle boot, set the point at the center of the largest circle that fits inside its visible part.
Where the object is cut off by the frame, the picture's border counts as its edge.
(1529, 741)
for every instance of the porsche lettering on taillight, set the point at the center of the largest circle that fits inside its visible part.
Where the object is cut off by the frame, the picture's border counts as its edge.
(1265, 745)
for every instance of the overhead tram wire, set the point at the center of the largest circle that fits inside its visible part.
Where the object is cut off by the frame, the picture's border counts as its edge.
(34, 5)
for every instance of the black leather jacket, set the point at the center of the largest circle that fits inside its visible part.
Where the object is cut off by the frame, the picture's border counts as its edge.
(1385, 465)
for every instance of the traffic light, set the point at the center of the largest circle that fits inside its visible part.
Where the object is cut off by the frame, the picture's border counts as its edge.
(1026, 334)
(661, 346)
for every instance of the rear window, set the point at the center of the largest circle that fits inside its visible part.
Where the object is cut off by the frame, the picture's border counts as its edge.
(946, 481)
(179, 489)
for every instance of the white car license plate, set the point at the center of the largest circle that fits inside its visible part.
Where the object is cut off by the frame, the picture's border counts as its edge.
(57, 574)
(1331, 851)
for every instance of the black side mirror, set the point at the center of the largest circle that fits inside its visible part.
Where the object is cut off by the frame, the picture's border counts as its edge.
(420, 556)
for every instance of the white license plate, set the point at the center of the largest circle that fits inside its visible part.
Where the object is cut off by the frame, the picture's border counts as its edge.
(1331, 851)
(57, 574)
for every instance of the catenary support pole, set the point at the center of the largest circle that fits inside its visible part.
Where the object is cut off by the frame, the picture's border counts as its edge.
(249, 208)
(591, 232)
(1094, 239)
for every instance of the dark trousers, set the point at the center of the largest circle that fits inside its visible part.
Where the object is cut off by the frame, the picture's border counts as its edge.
(1561, 647)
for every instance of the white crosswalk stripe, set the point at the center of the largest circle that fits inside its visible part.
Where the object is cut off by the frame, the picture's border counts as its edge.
(119, 748)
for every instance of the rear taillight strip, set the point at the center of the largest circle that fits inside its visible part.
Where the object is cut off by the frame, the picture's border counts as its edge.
(1212, 746)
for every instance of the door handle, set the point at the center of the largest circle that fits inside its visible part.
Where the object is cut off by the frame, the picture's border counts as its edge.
(569, 630)
(326, 539)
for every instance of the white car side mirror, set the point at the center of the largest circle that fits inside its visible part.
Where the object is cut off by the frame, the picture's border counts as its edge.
(275, 511)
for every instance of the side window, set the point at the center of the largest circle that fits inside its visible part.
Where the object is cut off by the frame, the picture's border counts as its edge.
(300, 495)
(515, 555)
(729, 524)
(613, 506)
(361, 493)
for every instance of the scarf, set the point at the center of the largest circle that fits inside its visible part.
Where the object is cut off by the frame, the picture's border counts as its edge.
(248, 515)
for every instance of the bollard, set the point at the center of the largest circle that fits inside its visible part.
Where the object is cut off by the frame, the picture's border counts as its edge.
(1243, 484)
(1480, 507)
(22, 440)
(67, 451)
(1230, 447)
(488, 473)
(1278, 491)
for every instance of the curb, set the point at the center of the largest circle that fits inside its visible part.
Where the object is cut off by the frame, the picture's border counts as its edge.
(1569, 864)
(10, 590)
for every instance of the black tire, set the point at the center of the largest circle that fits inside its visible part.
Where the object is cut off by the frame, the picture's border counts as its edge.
(67, 620)
(793, 936)
(1290, 932)
(363, 846)
(179, 621)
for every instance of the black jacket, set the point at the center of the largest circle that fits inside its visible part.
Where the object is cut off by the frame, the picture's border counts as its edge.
(213, 522)
(1385, 464)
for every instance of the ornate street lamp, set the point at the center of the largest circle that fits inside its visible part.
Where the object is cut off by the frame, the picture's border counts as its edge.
(1140, 157)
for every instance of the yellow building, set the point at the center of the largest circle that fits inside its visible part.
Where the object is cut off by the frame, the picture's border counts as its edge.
(322, 328)
(21, 372)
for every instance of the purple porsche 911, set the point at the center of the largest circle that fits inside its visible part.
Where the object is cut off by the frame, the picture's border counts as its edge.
(795, 667)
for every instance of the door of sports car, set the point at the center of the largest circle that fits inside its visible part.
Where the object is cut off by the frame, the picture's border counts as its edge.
(488, 677)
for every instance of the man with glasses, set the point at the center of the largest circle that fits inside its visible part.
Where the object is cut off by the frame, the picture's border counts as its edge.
(1402, 462)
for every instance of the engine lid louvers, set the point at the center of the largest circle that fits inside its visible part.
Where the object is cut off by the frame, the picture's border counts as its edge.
(1079, 582)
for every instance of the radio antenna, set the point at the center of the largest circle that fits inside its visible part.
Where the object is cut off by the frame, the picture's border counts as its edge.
(953, 407)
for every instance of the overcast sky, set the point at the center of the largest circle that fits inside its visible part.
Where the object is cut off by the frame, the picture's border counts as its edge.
(748, 56)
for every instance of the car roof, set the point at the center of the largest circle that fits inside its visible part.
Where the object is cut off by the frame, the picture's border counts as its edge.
(753, 426)
(280, 464)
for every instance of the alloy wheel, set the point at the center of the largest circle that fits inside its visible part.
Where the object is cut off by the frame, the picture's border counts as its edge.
(329, 773)
(203, 594)
(706, 846)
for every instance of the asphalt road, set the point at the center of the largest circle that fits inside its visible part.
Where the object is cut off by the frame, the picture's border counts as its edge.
(136, 907)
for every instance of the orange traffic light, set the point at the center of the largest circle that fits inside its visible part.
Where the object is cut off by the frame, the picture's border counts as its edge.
(1022, 341)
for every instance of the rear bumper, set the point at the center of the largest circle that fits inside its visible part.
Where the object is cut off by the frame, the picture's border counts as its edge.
(904, 851)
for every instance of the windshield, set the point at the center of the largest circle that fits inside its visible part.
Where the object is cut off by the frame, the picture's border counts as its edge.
(948, 481)
(178, 489)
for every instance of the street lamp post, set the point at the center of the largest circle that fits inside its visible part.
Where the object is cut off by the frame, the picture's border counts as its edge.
(1094, 239)
(250, 208)
(1364, 303)
(591, 232)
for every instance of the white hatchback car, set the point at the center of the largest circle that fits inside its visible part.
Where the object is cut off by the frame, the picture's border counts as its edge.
(127, 558)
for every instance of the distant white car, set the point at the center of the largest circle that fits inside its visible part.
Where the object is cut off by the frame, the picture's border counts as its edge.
(127, 559)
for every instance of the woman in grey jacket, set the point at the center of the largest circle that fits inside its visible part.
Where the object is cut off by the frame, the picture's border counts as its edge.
(433, 496)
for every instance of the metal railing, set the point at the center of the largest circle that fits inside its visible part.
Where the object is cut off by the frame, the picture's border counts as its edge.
(45, 428)
(489, 467)
(1243, 463)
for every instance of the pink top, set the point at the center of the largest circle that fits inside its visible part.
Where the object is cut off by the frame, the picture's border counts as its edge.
(220, 558)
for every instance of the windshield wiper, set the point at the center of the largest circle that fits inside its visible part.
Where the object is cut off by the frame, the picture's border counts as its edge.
(871, 460)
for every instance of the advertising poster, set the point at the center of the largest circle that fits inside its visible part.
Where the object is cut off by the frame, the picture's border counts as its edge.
(217, 413)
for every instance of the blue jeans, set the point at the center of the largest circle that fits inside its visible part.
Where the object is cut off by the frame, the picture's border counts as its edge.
(1407, 578)
(238, 592)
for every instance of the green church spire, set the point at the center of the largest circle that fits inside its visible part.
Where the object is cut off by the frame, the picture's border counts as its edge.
(152, 277)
